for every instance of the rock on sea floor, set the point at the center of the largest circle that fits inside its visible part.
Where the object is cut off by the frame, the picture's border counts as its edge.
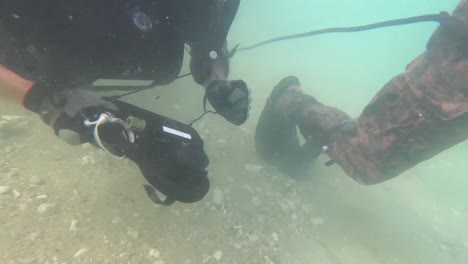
(253, 167)
(4, 189)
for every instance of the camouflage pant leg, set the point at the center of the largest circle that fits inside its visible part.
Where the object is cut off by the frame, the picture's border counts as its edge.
(395, 132)
(415, 116)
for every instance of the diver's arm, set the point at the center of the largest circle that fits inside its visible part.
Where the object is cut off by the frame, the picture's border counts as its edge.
(57, 109)
(218, 71)
(209, 65)
(13, 86)
(231, 99)
(210, 55)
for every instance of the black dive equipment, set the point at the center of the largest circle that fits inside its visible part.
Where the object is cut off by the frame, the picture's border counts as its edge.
(169, 153)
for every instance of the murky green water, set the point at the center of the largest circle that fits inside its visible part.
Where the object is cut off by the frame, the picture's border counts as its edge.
(97, 211)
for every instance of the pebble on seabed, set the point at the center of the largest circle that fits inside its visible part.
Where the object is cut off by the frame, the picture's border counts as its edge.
(317, 221)
(274, 236)
(443, 247)
(4, 189)
(133, 233)
(465, 244)
(80, 252)
(73, 226)
(11, 117)
(253, 238)
(45, 208)
(12, 173)
(221, 141)
(253, 167)
(218, 255)
(41, 197)
(154, 253)
(35, 180)
(456, 212)
(16, 194)
(218, 197)
(88, 160)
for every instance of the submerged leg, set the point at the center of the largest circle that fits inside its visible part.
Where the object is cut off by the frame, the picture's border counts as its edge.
(415, 116)
(276, 138)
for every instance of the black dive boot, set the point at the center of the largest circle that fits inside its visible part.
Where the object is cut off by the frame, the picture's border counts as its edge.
(276, 138)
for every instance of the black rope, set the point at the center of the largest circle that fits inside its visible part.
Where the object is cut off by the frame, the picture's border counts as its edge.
(389, 23)
(132, 92)
(183, 75)
(147, 87)
(200, 117)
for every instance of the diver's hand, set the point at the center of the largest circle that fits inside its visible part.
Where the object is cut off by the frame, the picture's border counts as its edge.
(71, 107)
(231, 99)
(66, 110)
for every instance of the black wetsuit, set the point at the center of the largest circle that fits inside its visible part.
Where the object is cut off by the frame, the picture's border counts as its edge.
(63, 44)
(84, 40)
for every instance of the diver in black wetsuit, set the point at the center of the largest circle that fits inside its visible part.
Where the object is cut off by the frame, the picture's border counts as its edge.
(59, 44)
(49, 49)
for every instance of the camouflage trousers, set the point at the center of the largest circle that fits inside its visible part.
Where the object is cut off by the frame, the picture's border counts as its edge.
(415, 116)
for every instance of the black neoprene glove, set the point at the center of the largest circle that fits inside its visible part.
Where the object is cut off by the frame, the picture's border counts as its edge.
(66, 109)
(231, 99)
